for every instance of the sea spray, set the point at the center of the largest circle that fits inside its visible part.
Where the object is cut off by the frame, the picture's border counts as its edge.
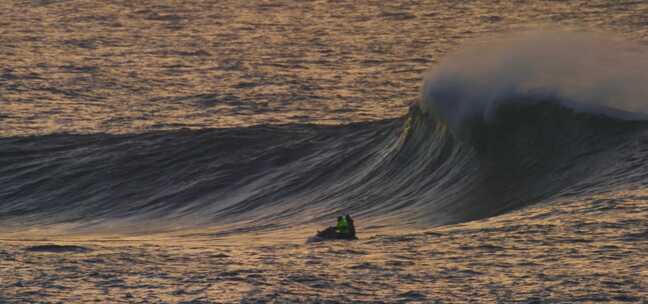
(585, 71)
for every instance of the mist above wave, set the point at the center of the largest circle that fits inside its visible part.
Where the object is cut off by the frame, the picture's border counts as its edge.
(586, 71)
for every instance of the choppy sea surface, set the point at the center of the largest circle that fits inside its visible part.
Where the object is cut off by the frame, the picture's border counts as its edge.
(182, 151)
(124, 66)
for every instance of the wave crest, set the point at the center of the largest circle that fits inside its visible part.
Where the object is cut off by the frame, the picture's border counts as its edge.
(585, 71)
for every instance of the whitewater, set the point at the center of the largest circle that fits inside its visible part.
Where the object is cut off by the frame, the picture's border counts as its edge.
(510, 168)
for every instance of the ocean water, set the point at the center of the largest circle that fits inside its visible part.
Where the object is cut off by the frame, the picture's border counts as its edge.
(489, 150)
(208, 113)
(133, 67)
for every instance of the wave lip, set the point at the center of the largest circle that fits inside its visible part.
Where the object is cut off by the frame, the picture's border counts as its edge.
(585, 71)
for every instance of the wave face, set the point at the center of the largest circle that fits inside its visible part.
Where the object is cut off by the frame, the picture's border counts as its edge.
(480, 143)
(414, 169)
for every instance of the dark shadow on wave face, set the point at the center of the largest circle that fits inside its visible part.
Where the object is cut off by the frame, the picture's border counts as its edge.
(207, 174)
(542, 130)
(531, 150)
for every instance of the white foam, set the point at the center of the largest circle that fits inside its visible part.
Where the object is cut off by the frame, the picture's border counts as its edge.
(589, 71)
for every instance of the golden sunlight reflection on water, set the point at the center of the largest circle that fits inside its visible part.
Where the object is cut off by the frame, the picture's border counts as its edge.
(123, 66)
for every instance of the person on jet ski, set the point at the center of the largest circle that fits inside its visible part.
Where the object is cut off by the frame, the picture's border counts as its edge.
(342, 227)
(343, 230)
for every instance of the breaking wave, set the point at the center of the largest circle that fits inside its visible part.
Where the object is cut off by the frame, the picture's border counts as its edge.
(414, 169)
(440, 164)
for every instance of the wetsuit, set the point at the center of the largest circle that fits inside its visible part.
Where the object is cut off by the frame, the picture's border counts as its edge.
(342, 226)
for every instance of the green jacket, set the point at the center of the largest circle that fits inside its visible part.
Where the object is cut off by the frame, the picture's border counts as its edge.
(342, 226)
